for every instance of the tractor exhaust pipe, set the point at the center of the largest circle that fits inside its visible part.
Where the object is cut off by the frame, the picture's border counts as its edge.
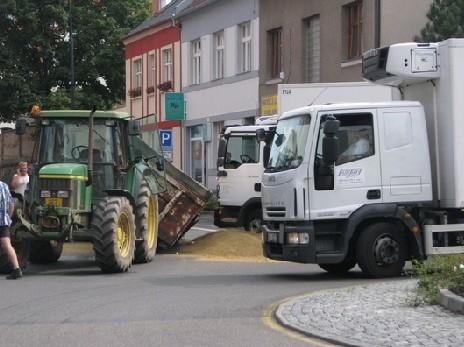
(90, 148)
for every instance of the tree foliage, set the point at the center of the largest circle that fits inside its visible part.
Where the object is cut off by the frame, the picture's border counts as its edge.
(446, 20)
(35, 52)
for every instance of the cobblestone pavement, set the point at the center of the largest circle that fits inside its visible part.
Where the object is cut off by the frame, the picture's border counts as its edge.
(373, 315)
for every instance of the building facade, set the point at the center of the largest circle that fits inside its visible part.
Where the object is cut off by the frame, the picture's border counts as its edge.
(323, 40)
(152, 53)
(220, 63)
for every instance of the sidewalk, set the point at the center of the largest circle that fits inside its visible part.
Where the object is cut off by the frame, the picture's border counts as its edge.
(372, 315)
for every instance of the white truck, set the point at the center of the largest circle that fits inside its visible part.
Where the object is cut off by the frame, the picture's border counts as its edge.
(375, 184)
(241, 159)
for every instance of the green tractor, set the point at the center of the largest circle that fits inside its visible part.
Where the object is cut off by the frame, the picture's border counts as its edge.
(93, 179)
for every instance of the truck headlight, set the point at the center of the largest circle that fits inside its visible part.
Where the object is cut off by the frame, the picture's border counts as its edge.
(45, 194)
(62, 194)
(298, 238)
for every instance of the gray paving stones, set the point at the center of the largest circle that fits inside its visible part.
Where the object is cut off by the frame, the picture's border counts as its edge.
(373, 315)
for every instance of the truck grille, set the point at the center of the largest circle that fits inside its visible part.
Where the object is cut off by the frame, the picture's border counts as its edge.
(276, 211)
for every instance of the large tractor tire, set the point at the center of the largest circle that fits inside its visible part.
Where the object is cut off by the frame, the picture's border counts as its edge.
(114, 234)
(146, 223)
(22, 253)
(45, 252)
(381, 250)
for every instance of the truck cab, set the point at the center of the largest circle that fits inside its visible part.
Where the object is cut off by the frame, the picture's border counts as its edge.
(240, 165)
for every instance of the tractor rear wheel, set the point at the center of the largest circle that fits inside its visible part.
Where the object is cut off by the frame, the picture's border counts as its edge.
(146, 223)
(114, 234)
(45, 252)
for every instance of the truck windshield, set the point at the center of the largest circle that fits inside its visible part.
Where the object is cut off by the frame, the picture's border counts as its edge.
(288, 146)
(67, 141)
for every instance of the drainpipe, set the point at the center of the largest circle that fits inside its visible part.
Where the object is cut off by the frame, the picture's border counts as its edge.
(378, 18)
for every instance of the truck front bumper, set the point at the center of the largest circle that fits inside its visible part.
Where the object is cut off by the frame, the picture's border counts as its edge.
(295, 243)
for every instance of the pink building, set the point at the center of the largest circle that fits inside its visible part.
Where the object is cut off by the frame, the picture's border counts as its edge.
(152, 53)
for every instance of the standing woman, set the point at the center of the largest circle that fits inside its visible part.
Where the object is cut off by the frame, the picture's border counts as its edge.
(20, 180)
(6, 210)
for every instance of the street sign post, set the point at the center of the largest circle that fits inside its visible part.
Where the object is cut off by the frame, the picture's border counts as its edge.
(166, 143)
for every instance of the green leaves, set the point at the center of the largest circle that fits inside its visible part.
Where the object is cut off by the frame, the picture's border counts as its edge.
(446, 20)
(35, 52)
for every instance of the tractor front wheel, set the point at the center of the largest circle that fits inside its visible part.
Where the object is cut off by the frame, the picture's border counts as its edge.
(114, 234)
(146, 225)
(45, 252)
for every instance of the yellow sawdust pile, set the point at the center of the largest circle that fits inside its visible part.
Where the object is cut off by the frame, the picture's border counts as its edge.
(226, 245)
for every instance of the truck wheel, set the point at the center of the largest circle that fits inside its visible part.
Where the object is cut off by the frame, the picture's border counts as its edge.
(146, 223)
(45, 252)
(254, 220)
(114, 234)
(340, 268)
(381, 250)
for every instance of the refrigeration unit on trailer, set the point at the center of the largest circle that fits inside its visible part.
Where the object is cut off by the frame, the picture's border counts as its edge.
(373, 183)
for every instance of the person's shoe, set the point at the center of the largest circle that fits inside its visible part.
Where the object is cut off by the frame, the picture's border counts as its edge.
(15, 274)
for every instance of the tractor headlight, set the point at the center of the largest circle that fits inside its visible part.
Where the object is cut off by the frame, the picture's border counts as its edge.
(62, 194)
(44, 193)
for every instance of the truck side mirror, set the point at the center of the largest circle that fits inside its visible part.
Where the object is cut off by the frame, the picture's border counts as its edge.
(221, 153)
(330, 141)
(260, 135)
(133, 127)
(20, 126)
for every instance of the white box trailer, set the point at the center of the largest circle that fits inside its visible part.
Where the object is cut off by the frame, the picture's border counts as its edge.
(373, 184)
(292, 96)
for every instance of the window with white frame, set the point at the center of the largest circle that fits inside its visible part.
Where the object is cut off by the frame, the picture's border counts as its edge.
(137, 82)
(167, 65)
(312, 49)
(196, 61)
(219, 55)
(151, 71)
(245, 47)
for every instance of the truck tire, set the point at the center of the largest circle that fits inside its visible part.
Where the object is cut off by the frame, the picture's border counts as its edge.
(114, 234)
(254, 220)
(45, 252)
(146, 223)
(381, 250)
(340, 268)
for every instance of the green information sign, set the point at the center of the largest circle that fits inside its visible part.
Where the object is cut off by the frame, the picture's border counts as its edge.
(174, 106)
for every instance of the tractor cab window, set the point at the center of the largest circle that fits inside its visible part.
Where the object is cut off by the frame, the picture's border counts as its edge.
(67, 141)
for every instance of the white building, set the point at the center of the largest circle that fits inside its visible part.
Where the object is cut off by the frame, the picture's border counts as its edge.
(220, 63)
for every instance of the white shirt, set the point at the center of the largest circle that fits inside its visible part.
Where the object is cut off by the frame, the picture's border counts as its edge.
(22, 182)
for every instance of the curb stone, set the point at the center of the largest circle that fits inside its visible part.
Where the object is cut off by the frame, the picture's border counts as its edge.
(372, 315)
(451, 301)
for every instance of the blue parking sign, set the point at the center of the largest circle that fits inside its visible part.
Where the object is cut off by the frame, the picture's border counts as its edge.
(166, 138)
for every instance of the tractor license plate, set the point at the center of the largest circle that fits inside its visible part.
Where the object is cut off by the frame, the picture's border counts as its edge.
(58, 202)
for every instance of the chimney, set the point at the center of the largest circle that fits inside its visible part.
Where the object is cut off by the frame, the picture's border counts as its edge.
(155, 6)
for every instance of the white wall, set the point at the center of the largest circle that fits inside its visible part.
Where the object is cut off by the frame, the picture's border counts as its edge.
(227, 98)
